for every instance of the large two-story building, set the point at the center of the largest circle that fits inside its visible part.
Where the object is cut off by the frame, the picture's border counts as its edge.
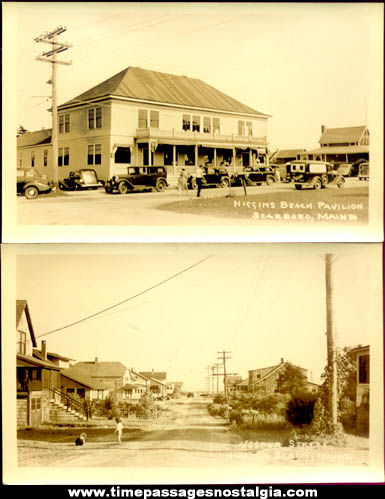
(141, 117)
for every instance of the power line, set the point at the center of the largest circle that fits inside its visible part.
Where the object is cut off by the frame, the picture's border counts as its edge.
(127, 299)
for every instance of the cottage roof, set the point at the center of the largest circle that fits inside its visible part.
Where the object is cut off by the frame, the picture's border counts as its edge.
(340, 150)
(288, 153)
(345, 134)
(22, 306)
(274, 369)
(153, 86)
(82, 379)
(160, 376)
(27, 360)
(35, 138)
(96, 369)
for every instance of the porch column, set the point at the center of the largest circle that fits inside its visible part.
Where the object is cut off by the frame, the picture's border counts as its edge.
(250, 157)
(215, 157)
(196, 155)
(149, 153)
(233, 161)
(174, 158)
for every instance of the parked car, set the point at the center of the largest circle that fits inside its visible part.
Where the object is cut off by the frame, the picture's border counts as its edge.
(363, 171)
(138, 178)
(256, 175)
(314, 174)
(31, 183)
(83, 179)
(213, 177)
(343, 169)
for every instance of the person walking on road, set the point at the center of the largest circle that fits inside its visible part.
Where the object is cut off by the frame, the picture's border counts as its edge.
(119, 430)
(182, 182)
(199, 179)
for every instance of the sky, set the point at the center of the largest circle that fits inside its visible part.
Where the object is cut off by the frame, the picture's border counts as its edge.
(261, 303)
(306, 65)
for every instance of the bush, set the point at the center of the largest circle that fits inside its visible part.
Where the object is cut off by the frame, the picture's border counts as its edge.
(236, 416)
(300, 409)
(219, 399)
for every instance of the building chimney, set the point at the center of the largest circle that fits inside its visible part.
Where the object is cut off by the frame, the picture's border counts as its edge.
(44, 349)
(282, 361)
(323, 128)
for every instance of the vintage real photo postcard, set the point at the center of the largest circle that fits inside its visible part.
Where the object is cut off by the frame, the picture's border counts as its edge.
(192, 122)
(192, 363)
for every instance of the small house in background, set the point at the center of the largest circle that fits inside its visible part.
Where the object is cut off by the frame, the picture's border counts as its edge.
(84, 387)
(158, 383)
(267, 379)
(342, 145)
(362, 388)
(282, 156)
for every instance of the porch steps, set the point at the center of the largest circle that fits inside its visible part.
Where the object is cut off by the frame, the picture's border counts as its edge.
(58, 413)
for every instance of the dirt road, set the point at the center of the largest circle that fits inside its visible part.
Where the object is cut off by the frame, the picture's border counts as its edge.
(189, 437)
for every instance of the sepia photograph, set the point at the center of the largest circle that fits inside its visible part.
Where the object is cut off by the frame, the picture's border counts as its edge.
(196, 122)
(192, 363)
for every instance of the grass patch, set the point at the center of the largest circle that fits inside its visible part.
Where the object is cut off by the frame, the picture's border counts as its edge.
(326, 205)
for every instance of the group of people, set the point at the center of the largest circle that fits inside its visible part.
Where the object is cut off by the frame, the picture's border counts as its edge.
(183, 180)
(81, 439)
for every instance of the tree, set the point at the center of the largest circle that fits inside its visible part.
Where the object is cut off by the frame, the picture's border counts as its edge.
(292, 380)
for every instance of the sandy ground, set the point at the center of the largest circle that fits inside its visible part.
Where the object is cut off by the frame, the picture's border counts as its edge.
(134, 209)
(190, 438)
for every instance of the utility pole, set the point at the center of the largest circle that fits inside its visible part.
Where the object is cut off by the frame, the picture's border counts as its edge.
(50, 56)
(224, 358)
(331, 351)
(208, 380)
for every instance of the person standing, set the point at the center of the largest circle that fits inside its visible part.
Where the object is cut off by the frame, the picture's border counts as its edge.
(184, 181)
(119, 430)
(199, 179)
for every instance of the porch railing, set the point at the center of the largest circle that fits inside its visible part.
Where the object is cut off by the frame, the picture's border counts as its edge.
(71, 403)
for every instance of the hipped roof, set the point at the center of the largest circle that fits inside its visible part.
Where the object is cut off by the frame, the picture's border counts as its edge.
(153, 86)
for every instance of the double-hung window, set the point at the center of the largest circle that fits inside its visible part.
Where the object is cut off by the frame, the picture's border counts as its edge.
(64, 123)
(186, 122)
(143, 118)
(216, 125)
(94, 118)
(94, 154)
(207, 124)
(64, 156)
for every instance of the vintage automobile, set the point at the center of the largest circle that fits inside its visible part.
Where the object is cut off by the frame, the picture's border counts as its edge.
(256, 175)
(363, 171)
(314, 174)
(213, 177)
(31, 183)
(343, 169)
(138, 178)
(83, 179)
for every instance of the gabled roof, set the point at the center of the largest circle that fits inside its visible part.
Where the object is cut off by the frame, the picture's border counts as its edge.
(274, 369)
(345, 134)
(35, 138)
(153, 86)
(22, 306)
(100, 369)
(161, 376)
(84, 380)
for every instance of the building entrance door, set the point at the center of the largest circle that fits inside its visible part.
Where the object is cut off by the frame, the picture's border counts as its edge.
(35, 410)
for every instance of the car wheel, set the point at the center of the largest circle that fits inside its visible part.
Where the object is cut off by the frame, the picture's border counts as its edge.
(123, 188)
(317, 184)
(31, 192)
(225, 182)
(108, 189)
(61, 186)
(341, 183)
(324, 179)
(298, 187)
(270, 180)
(161, 185)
